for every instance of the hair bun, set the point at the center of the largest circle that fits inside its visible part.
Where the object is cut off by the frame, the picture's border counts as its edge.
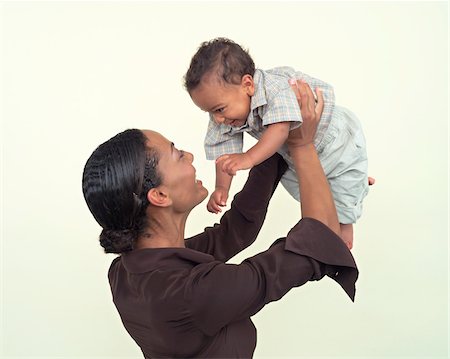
(118, 240)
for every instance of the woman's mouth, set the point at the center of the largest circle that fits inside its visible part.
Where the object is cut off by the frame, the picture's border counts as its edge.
(197, 181)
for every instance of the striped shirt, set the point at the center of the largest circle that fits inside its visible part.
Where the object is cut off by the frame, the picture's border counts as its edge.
(273, 102)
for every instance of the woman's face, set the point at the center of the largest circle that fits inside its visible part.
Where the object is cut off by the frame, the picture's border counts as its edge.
(178, 173)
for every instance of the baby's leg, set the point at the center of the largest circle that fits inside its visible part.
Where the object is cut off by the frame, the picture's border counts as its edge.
(290, 183)
(344, 160)
(347, 234)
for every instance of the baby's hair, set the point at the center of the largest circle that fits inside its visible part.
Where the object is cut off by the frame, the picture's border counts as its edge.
(224, 57)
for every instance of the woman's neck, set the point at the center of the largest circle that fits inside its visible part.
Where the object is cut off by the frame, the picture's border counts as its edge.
(165, 229)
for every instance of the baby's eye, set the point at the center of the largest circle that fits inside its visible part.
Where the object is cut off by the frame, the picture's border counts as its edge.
(181, 153)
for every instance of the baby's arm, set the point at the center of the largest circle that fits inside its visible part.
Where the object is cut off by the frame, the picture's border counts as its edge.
(220, 195)
(271, 140)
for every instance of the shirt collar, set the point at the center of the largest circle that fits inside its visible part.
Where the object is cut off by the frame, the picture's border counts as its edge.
(149, 259)
(259, 97)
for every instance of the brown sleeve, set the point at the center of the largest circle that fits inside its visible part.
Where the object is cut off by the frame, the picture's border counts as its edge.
(240, 225)
(218, 293)
(323, 245)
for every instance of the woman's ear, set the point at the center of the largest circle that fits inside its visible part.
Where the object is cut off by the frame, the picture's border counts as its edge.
(158, 197)
(248, 85)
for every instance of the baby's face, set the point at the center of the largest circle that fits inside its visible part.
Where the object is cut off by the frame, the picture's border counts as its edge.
(227, 103)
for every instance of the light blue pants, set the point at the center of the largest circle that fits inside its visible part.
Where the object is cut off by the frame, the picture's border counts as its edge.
(342, 153)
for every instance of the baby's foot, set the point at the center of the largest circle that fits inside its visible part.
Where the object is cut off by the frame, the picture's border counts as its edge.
(347, 234)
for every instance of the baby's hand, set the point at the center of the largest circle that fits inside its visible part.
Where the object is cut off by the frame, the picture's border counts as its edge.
(234, 162)
(218, 199)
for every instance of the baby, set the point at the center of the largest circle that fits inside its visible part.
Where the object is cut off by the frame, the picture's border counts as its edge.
(222, 80)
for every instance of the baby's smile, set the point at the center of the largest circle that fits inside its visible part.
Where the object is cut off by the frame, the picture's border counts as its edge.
(235, 123)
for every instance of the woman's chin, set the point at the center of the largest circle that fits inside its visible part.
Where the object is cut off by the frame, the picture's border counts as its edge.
(205, 195)
(202, 196)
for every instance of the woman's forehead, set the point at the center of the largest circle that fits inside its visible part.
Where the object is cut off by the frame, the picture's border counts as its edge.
(155, 139)
(159, 143)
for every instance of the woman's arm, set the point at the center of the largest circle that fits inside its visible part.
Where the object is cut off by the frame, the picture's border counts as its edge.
(240, 225)
(316, 198)
(218, 294)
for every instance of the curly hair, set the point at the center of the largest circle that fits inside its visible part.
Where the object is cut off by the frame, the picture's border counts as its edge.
(116, 179)
(224, 57)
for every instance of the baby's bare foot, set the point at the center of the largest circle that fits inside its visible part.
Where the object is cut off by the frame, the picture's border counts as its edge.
(349, 244)
(347, 234)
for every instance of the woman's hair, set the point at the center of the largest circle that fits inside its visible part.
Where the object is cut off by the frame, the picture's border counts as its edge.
(229, 60)
(116, 179)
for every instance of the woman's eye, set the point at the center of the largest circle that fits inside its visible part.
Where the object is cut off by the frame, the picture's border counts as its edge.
(220, 110)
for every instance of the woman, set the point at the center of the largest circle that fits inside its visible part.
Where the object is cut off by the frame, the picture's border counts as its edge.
(176, 296)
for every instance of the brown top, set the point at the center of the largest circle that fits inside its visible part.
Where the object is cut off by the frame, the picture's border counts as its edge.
(187, 303)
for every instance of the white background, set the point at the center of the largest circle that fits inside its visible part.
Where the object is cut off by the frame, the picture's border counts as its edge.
(75, 74)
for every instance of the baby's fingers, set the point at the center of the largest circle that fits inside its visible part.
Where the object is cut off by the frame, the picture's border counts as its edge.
(213, 207)
(222, 158)
(230, 167)
(223, 162)
(222, 200)
(226, 166)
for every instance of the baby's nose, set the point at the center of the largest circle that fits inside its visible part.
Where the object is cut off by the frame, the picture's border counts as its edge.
(219, 118)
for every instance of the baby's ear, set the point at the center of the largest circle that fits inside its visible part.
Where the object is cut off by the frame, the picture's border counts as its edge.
(248, 85)
(158, 197)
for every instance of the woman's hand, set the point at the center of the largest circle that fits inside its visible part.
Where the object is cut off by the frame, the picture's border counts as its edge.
(317, 201)
(310, 110)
